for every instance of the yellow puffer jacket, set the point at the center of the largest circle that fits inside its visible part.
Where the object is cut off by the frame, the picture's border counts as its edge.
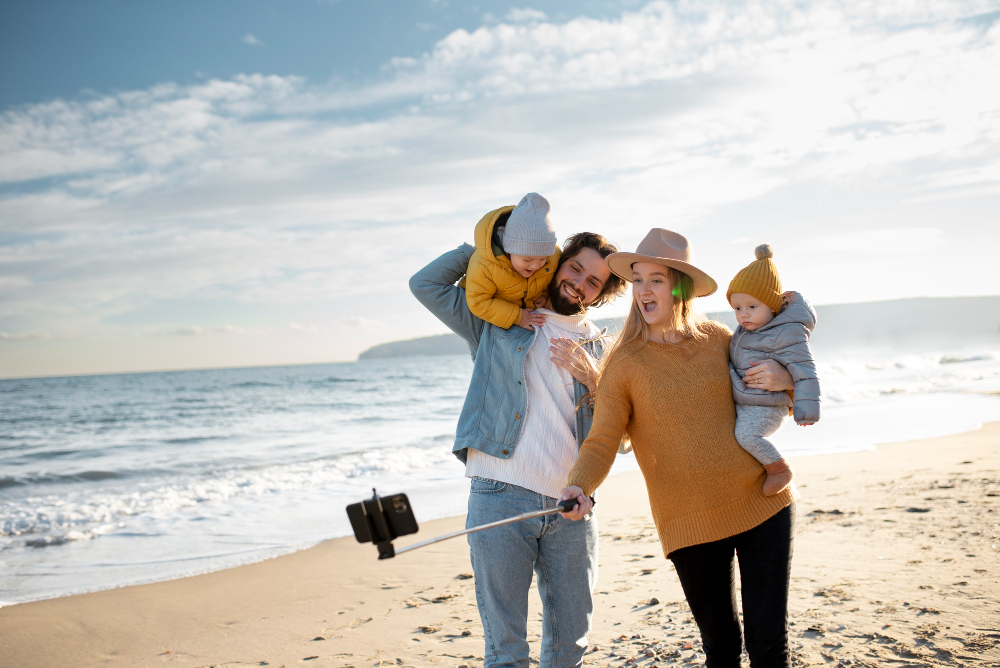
(494, 291)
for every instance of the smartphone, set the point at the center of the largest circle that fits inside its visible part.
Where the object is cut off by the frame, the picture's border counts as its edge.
(381, 519)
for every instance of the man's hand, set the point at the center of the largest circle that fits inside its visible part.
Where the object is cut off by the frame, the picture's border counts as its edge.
(570, 355)
(768, 375)
(583, 503)
(530, 319)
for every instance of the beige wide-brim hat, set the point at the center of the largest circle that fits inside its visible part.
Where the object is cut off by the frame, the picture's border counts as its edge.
(668, 248)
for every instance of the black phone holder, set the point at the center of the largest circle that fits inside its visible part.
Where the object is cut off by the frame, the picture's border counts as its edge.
(381, 520)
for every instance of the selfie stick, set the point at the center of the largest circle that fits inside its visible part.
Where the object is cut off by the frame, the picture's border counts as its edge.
(563, 507)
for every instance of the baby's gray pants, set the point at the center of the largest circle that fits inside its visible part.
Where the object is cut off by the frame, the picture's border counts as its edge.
(754, 424)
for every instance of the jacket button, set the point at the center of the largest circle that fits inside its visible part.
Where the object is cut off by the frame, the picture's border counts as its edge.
(506, 452)
(517, 416)
(519, 349)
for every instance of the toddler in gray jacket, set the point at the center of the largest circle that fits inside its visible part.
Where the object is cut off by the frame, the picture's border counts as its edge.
(772, 325)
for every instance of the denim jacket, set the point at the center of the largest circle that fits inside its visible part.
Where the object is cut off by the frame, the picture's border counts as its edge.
(491, 418)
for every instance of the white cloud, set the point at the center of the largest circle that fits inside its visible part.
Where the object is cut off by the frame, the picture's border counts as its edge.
(353, 321)
(251, 40)
(195, 330)
(878, 243)
(309, 329)
(526, 15)
(271, 190)
(192, 330)
(34, 336)
(359, 322)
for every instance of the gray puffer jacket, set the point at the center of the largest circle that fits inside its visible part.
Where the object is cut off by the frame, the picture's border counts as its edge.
(786, 340)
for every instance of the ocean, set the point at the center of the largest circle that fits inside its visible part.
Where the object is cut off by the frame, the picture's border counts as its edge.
(107, 481)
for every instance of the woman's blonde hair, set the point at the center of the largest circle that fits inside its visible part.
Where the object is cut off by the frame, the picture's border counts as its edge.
(684, 320)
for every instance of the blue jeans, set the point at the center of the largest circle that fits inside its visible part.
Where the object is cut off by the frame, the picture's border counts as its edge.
(563, 554)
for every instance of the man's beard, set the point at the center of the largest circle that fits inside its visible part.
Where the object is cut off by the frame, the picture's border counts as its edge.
(559, 303)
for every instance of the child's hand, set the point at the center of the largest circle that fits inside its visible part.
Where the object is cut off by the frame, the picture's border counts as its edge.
(530, 319)
(542, 301)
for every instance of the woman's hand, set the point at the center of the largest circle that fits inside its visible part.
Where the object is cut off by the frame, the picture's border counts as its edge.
(768, 375)
(570, 355)
(583, 503)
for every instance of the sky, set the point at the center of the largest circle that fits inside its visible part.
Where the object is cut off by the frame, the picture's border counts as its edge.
(191, 185)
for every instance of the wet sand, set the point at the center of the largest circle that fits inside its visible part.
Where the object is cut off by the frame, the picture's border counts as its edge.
(897, 563)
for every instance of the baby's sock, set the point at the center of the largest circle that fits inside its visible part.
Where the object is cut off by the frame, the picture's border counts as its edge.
(779, 474)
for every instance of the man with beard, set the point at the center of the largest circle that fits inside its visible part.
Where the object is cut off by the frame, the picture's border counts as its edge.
(518, 435)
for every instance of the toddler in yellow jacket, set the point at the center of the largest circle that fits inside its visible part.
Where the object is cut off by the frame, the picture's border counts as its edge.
(515, 260)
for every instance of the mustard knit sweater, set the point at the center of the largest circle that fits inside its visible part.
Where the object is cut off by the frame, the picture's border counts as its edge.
(676, 403)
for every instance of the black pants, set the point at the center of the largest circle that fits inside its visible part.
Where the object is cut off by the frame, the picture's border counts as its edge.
(707, 574)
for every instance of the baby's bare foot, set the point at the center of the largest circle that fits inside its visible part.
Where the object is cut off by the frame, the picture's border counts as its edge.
(779, 475)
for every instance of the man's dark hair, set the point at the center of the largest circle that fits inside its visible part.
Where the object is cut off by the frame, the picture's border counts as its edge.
(615, 285)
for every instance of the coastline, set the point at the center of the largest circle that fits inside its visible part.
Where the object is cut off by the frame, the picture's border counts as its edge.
(897, 559)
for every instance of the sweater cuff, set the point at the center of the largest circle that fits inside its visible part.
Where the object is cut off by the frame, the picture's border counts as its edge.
(587, 487)
(587, 478)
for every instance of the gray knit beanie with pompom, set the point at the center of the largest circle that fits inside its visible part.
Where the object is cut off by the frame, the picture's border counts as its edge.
(529, 230)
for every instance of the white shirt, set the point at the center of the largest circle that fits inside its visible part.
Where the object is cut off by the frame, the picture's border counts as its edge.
(546, 449)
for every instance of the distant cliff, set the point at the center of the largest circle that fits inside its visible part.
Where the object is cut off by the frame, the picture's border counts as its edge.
(925, 322)
(441, 344)
(425, 346)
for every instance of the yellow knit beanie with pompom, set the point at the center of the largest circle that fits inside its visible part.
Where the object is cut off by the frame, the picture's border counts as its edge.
(759, 279)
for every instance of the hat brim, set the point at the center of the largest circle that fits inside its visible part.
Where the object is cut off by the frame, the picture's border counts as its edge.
(620, 264)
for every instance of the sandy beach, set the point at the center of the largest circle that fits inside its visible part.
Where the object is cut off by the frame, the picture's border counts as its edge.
(897, 562)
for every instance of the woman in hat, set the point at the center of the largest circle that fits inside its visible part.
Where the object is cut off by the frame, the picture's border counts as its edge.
(666, 383)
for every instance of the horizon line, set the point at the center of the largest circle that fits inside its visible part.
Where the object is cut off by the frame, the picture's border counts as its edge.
(318, 363)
